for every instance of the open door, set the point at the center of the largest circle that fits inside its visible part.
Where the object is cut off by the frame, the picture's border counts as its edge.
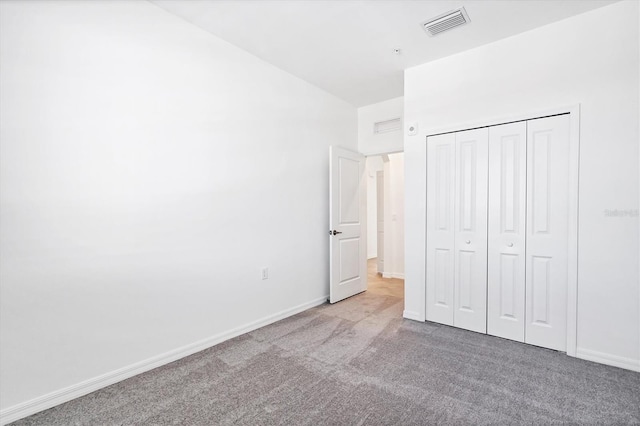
(348, 224)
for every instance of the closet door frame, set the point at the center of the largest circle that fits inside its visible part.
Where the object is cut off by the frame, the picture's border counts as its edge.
(574, 158)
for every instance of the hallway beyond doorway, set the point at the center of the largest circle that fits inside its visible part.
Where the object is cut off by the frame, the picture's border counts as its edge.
(393, 287)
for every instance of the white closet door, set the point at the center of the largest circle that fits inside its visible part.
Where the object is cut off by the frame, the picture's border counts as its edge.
(507, 229)
(547, 231)
(470, 239)
(441, 165)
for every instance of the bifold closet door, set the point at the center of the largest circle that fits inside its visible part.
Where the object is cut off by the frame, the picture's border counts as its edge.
(497, 230)
(507, 229)
(547, 231)
(470, 237)
(441, 181)
(457, 229)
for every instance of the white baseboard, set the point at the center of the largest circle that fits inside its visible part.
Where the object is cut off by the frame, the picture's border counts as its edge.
(608, 359)
(24, 409)
(399, 275)
(412, 315)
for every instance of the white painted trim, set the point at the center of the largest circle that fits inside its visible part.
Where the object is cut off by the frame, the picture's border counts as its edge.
(60, 396)
(572, 255)
(415, 316)
(496, 121)
(638, 361)
(377, 152)
(398, 275)
(574, 153)
(604, 358)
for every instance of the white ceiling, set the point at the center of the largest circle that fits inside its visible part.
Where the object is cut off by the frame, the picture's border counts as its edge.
(346, 47)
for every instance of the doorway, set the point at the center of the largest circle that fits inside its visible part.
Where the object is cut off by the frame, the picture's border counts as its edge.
(355, 183)
(385, 220)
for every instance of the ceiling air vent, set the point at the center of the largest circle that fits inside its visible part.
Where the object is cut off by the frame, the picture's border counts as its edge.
(446, 22)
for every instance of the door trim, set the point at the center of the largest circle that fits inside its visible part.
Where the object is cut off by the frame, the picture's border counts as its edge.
(574, 168)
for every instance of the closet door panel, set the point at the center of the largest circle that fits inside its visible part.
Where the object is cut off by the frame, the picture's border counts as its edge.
(547, 231)
(470, 222)
(440, 227)
(506, 231)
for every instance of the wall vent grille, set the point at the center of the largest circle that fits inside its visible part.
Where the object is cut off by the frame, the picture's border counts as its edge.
(387, 126)
(446, 22)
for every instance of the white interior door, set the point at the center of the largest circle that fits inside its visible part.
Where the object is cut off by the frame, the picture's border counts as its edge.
(347, 221)
(441, 173)
(547, 231)
(470, 221)
(507, 229)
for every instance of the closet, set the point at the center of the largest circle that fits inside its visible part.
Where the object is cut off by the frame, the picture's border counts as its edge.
(497, 230)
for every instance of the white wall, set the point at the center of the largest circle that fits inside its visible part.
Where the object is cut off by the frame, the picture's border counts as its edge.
(394, 217)
(370, 143)
(148, 172)
(564, 63)
(374, 165)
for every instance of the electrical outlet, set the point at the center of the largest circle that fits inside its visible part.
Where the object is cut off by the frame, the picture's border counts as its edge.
(265, 273)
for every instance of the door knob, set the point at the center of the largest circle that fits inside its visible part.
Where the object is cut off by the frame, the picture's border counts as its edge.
(334, 232)
(510, 245)
(468, 242)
